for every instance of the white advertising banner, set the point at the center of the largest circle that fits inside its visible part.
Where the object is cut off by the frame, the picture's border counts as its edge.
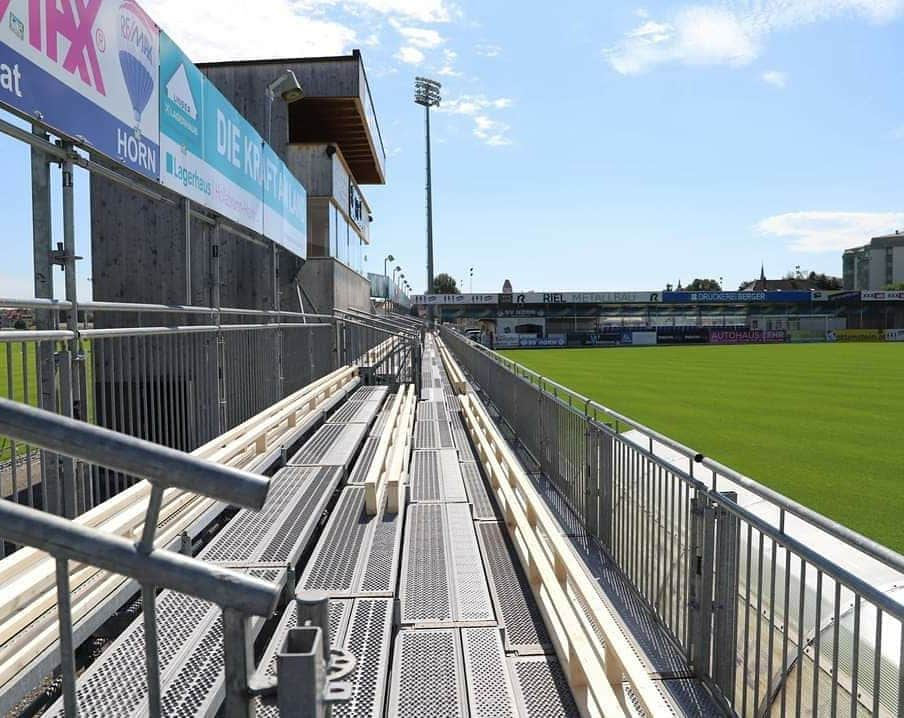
(88, 69)
(883, 296)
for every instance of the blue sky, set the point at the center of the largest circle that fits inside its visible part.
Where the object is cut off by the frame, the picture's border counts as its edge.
(587, 145)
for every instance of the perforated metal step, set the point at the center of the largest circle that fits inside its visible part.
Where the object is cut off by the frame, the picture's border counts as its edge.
(283, 527)
(482, 507)
(356, 412)
(436, 476)
(525, 632)
(364, 460)
(190, 636)
(460, 439)
(433, 435)
(362, 627)
(427, 675)
(432, 411)
(356, 554)
(451, 672)
(331, 445)
(366, 393)
(431, 394)
(442, 580)
(541, 688)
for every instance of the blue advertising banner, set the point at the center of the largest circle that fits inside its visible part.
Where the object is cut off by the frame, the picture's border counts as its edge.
(88, 70)
(213, 156)
(733, 297)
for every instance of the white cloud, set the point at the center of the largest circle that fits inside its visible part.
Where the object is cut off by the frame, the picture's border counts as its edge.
(488, 50)
(420, 10)
(421, 37)
(410, 55)
(490, 131)
(448, 69)
(211, 30)
(732, 32)
(479, 108)
(775, 78)
(829, 231)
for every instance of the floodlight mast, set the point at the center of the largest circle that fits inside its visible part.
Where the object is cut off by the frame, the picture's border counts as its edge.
(426, 94)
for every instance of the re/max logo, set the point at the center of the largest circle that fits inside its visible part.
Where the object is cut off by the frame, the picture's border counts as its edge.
(49, 21)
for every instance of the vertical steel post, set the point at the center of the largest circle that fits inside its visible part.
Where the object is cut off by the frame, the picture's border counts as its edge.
(700, 586)
(238, 659)
(67, 647)
(42, 239)
(186, 203)
(430, 287)
(221, 339)
(725, 604)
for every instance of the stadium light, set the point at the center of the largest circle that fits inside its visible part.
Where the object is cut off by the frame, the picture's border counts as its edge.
(427, 95)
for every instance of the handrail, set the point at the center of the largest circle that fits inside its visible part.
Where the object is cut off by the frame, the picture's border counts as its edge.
(142, 308)
(161, 465)
(852, 538)
(167, 569)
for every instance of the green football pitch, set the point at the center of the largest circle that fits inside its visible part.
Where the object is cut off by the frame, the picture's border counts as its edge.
(821, 423)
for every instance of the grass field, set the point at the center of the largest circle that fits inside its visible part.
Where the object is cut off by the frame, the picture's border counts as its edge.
(822, 423)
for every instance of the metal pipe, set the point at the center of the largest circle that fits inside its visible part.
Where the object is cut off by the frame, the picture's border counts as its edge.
(70, 541)
(159, 464)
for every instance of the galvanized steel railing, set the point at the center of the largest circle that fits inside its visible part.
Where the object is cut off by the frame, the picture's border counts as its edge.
(754, 596)
(175, 375)
(239, 596)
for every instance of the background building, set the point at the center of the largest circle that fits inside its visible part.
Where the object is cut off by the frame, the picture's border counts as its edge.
(875, 265)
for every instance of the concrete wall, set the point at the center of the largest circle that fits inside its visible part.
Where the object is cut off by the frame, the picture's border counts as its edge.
(139, 253)
(329, 284)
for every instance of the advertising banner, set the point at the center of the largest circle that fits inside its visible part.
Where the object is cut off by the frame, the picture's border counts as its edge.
(836, 295)
(733, 297)
(806, 336)
(426, 299)
(894, 335)
(884, 296)
(682, 335)
(213, 156)
(585, 297)
(746, 336)
(855, 335)
(89, 70)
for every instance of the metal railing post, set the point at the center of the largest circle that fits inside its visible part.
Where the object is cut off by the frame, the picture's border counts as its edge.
(700, 586)
(725, 603)
(239, 661)
(67, 649)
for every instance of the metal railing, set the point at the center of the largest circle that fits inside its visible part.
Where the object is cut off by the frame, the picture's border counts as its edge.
(238, 595)
(763, 610)
(175, 375)
(390, 353)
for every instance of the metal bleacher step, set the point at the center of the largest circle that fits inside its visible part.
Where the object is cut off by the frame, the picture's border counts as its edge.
(362, 406)
(357, 554)
(331, 445)
(365, 459)
(451, 672)
(525, 632)
(443, 581)
(460, 439)
(435, 475)
(433, 435)
(263, 543)
(190, 637)
(432, 411)
(362, 627)
(482, 506)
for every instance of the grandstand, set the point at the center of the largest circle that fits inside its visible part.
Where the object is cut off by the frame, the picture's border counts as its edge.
(529, 319)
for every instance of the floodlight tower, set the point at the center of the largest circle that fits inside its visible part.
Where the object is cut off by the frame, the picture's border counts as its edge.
(426, 94)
